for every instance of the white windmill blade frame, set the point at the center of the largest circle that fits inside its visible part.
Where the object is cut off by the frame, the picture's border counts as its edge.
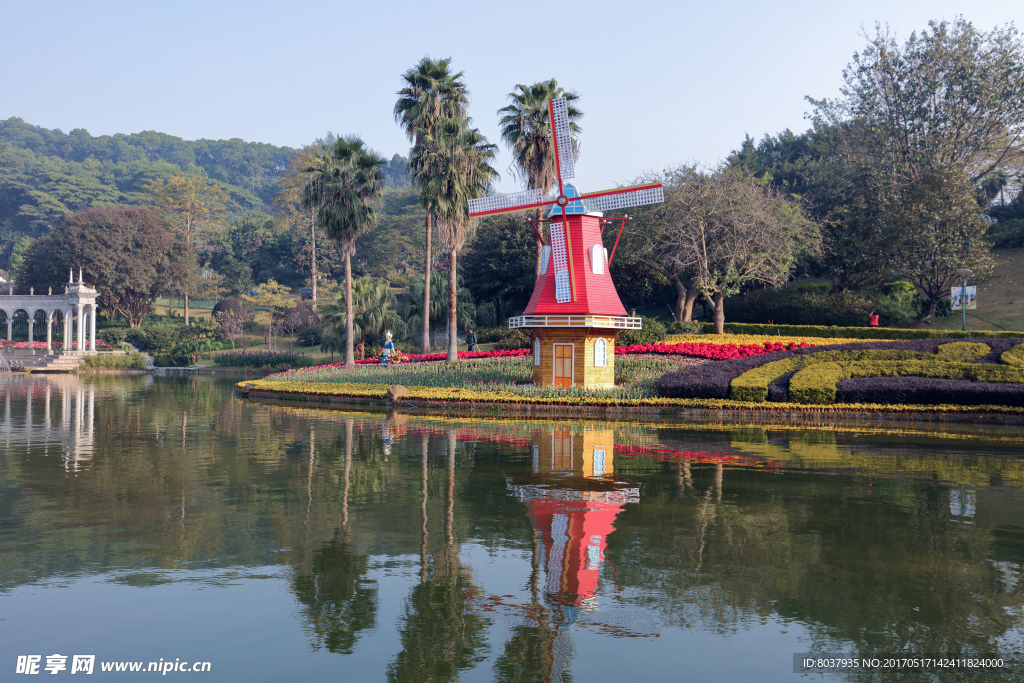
(563, 137)
(653, 194)
(505, 202)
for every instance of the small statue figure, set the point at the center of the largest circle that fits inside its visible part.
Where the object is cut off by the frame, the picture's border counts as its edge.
(49, 291)
(387, 349)
(31, 291)
(10, 291)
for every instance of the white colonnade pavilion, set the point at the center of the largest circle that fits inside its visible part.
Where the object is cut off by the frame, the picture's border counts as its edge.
(75, 308)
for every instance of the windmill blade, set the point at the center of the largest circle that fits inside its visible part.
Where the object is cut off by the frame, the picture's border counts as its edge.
(560, 262)
(624, 197)
(559, 110)
(506, 203)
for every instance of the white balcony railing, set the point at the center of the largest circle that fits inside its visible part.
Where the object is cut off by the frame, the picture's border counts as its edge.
(606, 321)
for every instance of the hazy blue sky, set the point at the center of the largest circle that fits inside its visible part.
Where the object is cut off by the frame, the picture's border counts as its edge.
(660, 83)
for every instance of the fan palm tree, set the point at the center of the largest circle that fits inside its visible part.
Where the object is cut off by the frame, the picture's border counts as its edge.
(373, 309)
(412, 307)
(344, 192)
(431, 92)
(526, 129)
(455, 167)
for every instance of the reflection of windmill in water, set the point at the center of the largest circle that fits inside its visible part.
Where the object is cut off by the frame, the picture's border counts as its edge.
(59, 416)
(572, 498)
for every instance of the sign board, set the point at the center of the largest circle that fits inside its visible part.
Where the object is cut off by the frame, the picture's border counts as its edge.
(958, 293)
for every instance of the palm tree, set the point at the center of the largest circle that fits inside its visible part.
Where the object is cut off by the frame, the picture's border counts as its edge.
(412, 307)
(454, 167)
(344, 192)
(330, 342)
(431, 92)
(373, 309)
(526, 129)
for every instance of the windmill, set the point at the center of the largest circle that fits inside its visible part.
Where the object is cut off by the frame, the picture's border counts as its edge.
(575, 312)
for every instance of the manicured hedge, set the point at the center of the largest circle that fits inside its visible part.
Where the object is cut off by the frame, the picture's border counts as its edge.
(926, 390)
(858, 332)
(771, 376)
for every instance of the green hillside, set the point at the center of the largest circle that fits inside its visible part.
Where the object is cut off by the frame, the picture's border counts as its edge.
(1000, 299)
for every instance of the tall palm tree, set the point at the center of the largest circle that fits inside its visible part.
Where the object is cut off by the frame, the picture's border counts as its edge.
(455, 167)
(344, 193)
(431, 92)
(526, 129)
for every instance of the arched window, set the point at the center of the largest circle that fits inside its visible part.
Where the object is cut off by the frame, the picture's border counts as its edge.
(600, 353)
(597, 259)
(536, 351)
(545, 259)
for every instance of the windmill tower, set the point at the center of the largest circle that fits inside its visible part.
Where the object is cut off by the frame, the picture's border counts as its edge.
(575, 312)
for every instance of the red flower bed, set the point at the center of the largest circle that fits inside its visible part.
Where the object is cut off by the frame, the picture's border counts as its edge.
(699, 350)
(426, 357)
(713, 351)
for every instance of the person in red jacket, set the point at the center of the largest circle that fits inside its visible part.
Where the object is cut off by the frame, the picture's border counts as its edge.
(873, 318)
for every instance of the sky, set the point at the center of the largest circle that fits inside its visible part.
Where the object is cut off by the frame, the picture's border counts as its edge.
(660, 83)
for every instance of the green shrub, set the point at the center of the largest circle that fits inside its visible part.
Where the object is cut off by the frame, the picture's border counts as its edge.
(1007, 234)
(115, 335)
(310, 336)
(510, 340)
(651, 331)
(752, 385)
(963, 351)
(136, 336)
(265, 359)
(107, 361)
(1014, 356)
(899, 303)
(161, 338)
(684, 327)
(816, 384)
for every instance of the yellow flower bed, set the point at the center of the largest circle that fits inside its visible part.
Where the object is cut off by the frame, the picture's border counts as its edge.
(761, 339)
(506, 397)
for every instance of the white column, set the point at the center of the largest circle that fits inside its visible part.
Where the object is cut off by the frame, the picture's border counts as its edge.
(49, 332)
(81, 328)
(10, 325)
(67, 329)
(31, 323)
(92, 327)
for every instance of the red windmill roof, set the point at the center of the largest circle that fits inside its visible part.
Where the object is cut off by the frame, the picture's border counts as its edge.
(594, 293)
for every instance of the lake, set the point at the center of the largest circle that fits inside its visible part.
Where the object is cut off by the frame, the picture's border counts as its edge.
(164, 520)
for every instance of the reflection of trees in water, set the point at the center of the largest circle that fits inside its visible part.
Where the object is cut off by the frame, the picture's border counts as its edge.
(440, 635)
(877, 578)
(337, 602)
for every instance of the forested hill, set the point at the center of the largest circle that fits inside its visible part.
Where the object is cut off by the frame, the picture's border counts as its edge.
(47, 174)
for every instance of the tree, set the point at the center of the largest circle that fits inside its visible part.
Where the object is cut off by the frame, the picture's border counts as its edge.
(18, 253)
(297, 187)
(431, 92)
(273, 295)
(454, 167)
(498, 265)
(949, 96)
(526, 129)
(412, 305)
(372, 309)
(344, 193)
(729, 229)
(232, 315)
(945, 232)
(127, 252)
(190, 202)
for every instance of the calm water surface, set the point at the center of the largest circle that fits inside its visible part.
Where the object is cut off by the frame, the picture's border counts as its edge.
(154, 518)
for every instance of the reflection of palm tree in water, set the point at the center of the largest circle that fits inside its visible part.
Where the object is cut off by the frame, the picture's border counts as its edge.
(337, 602)
(441, 635)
